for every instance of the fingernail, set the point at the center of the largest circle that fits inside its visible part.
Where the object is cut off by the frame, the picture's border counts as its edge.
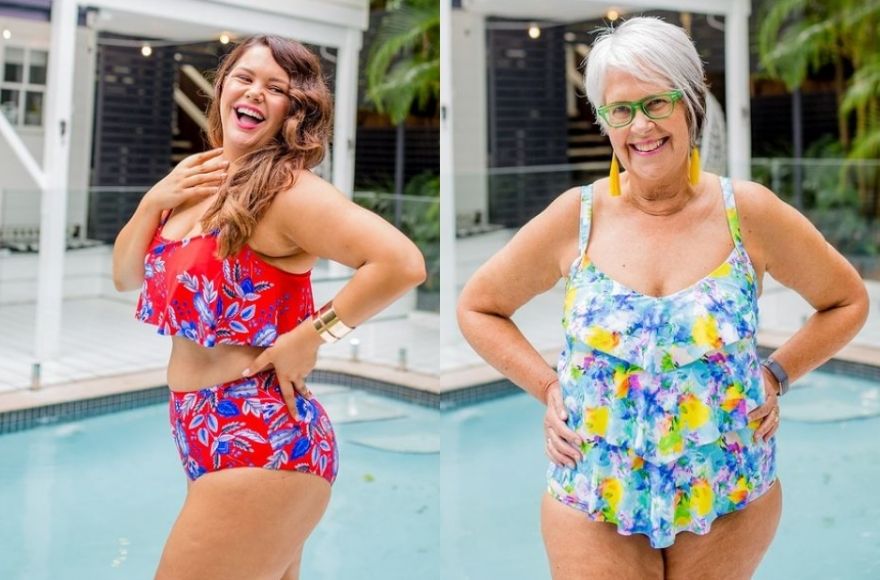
(246, 373)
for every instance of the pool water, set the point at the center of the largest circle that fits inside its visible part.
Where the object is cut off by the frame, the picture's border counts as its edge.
(95, 499)
(493, 476)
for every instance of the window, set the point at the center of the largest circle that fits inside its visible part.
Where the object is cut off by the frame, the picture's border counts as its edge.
(23, 85)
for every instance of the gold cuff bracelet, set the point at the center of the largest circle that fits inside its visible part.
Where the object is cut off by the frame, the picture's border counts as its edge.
(330, 328)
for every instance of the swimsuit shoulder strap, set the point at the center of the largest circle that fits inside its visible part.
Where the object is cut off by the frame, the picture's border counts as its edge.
(585, 219)
(730, 209)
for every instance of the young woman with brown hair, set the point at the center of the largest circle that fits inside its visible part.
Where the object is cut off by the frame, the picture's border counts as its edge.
(222, 249)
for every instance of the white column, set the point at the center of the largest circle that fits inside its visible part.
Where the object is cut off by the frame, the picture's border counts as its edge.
(56, 157)
(470, 156)
(448, 293)
(345, 121)
(736, 66)
(345, 113)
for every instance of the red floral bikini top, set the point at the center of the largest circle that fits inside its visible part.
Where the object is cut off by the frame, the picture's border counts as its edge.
(241, 299)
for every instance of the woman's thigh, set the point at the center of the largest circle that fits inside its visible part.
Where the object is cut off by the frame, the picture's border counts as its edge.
(733, 548)
(581, 549)
(243, 523)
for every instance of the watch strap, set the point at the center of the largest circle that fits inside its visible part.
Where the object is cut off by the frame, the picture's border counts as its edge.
(778, 373)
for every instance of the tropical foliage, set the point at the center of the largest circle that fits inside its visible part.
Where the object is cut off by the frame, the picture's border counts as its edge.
(403, 67)
(800, 37)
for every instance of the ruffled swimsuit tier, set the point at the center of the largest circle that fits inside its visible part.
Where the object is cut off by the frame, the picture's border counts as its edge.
(660, 389)
(239, 300)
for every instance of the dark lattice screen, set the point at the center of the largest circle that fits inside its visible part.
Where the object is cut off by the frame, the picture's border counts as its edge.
(375, 151)
(527, 122)
(132, 144)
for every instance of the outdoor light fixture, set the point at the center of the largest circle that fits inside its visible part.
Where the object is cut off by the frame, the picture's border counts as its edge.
(146, 50)
(6, 34)
(224, 38)
(612, 15)
(534, 31)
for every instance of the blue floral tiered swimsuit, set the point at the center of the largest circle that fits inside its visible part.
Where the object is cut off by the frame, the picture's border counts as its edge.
(660, 389)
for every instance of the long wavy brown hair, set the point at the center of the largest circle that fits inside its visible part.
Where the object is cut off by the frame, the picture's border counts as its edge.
(300, 143)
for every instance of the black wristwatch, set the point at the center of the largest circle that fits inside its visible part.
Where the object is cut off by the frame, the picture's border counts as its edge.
(778, 373)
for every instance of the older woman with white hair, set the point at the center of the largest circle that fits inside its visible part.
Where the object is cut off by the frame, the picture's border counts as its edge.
(660, 415)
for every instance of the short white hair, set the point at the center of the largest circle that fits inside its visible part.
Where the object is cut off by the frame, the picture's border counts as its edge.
(656, 51)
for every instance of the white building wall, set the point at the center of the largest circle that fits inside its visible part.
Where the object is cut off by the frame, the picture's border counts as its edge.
(470, 130)
(19, 195)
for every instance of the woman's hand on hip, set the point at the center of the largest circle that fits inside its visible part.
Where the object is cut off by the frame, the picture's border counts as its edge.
(561, 443)
(196, 177)
(293, 356)
(768, 413)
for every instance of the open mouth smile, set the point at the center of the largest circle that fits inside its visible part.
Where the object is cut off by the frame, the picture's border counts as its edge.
(648, 147)
(248, 117)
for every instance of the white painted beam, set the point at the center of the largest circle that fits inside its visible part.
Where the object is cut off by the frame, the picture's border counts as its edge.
(574, 11)
(56, 161)
(21, 152)
(233, 18)
(737, 89)
(191, 109)
(349, 13)
(196, 77)
(448, 291)
(345, 112)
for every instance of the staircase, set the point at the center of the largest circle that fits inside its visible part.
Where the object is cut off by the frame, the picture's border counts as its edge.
(588, 149)
(192, 94)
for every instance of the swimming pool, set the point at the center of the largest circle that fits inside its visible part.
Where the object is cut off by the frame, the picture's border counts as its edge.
(95, 499)
(493, 465)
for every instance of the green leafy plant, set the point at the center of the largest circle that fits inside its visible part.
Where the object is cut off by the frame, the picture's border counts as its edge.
(420, 218)
(403, 67)
(798, 37)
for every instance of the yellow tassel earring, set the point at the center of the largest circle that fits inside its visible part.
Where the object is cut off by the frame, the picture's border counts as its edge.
(614, 177)
(694, 169)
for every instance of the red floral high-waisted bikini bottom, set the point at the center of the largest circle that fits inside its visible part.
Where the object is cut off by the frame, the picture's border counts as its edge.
(246, 423)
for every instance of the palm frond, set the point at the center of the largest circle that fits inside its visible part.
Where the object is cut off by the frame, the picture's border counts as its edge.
(866, 147)
(407, 37)
(864, 86)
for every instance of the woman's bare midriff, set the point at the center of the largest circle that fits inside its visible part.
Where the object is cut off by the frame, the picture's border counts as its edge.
(193, 367)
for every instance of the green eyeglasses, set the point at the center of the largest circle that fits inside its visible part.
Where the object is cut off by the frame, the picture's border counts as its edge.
(654, 107)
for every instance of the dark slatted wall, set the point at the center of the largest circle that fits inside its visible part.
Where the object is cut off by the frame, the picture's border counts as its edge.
(375, 152)
(527, 124)
(772, 123)
(132, 144)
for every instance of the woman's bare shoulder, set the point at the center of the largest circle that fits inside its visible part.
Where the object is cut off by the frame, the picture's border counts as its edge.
(758, 208)
(752, 199)
(565, 207)
(310, 187)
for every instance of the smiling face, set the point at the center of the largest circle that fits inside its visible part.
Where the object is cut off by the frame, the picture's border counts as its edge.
(651, 150)
(254, 102)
